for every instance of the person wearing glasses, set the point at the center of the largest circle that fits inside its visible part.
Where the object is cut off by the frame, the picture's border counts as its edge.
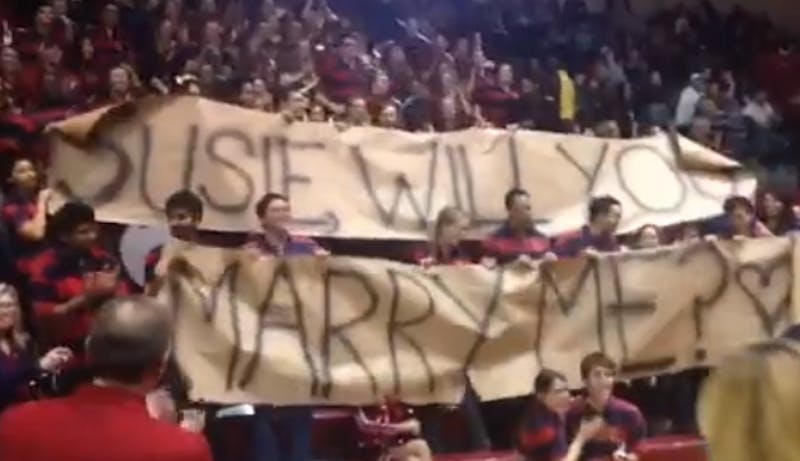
(543, 435)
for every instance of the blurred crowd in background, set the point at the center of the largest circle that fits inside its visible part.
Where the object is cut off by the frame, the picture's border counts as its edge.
(416, 65)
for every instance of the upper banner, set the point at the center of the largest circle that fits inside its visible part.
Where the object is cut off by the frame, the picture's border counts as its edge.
(370, 182)
(347, 331)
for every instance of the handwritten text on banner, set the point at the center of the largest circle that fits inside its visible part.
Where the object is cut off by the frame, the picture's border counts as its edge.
(344, 330)
(370, 182)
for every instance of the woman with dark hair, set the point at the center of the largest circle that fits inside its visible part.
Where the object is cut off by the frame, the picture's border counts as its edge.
(740, 220)
(775, 211)
(24, 212)
(380, 94)
(543, 435)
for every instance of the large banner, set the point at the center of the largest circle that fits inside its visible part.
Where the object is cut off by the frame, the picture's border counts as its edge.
(370, 182)
(346, 330)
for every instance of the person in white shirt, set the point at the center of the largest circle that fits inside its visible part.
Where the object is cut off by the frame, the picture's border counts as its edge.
(760, 111)
(687, 103)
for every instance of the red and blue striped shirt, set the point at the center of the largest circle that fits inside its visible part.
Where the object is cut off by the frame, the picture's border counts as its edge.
(505, 244)
(543, 435)
(572, 244)
(293, 246)
(625, 425)
(57, 276)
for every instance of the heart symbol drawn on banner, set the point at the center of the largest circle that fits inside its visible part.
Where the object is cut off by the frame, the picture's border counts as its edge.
(770, 297)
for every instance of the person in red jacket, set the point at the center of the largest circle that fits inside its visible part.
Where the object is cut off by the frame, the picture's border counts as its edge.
(107, 419)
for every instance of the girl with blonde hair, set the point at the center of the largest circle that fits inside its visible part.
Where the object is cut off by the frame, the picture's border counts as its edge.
(749, 408)
(445, 245)
(18, 363)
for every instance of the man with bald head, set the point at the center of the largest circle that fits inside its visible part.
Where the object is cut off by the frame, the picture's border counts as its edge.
(107, 419)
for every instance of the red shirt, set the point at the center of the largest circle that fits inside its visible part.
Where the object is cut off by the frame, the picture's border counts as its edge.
(543, 436)
(95, 424)
(109, 48)
(28, 87)
(30, 41)
(505, 245)
(340, 81)
(497, 105)
(571, 244)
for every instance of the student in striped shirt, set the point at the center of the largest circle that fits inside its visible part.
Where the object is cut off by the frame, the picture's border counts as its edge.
(275, 214)
(624, 425)
(517, 239)
(543, 434)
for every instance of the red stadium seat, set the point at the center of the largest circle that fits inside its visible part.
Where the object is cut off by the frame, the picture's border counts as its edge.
(673, 448)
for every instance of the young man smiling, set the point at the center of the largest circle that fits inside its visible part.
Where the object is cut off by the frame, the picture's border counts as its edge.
(275, 240)
(624, 424)
(274, 215)
(598, 236)
(184, 211)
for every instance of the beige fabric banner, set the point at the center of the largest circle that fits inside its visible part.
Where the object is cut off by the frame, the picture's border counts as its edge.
(369, 182)
(344, 330)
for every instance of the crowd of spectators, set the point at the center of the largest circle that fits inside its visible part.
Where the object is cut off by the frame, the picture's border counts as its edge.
(416, 65)
(63, 282)
(411, 64)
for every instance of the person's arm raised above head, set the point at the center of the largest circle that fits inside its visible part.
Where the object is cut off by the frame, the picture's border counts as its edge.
(34, 229)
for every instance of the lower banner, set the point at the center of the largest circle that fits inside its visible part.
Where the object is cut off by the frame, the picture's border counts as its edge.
(331, 330)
